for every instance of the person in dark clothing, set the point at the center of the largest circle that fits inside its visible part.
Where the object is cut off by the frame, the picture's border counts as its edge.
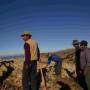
(80, 78)
(77, 58)
(85, 62)
(32, 55)
(7, 73)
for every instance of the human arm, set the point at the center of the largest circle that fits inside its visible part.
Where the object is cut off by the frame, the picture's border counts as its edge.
(27, 53)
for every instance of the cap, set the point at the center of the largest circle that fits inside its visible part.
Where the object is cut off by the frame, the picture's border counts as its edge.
(75, 42)
(83, 42)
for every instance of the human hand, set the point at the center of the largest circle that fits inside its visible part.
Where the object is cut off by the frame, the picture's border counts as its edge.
(25, 65)
(82, 72)
(44, 66)
(85, 71)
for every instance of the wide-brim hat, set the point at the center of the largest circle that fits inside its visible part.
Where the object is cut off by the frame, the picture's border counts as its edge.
(26, 34)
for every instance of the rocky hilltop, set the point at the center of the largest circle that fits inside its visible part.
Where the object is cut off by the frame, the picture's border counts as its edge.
(65, 81)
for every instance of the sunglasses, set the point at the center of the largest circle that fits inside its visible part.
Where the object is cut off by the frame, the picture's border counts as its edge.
(24, 35)
(75, 44)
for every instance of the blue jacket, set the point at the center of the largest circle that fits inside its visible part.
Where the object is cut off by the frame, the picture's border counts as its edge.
(54, 58)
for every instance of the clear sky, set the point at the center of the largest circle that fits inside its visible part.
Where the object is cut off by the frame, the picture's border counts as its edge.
(53, 23)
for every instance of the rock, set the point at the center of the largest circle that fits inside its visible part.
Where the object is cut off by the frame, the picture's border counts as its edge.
(65, 80)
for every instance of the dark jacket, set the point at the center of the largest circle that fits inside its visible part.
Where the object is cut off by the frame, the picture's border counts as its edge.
(77, 59)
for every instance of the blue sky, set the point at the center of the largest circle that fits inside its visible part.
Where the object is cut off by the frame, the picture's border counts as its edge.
(53, 23)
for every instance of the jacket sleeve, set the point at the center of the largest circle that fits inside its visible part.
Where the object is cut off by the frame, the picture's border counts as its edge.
(49, 60)
(38, 52)
(83, 60)
(27, 52)
(87, 58)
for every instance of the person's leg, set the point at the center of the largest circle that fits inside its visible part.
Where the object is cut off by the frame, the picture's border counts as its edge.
(81, 79)
(88, 79)
(33, 75)
(1, 80)
(25, 79)
(82, 82)
(78, 74)
(39, 80)
(58, 68)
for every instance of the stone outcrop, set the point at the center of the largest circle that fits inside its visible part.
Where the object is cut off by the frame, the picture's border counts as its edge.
(65, 81)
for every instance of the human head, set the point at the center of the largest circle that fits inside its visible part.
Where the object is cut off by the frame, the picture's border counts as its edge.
(26, 35)
(75, 43)
(83, 44)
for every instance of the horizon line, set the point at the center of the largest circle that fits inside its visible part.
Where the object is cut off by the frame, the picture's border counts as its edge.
(18, 53)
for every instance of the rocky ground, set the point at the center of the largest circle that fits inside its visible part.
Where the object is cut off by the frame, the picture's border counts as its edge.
(65, 81)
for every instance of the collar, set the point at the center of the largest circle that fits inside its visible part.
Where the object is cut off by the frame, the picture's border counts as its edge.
(28, 40)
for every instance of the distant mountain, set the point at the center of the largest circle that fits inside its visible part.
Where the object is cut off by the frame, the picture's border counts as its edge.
(66, 78)
(61, 53)
(12, 56)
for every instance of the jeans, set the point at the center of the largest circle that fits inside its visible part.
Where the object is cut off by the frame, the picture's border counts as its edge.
(81, 80)
(29, 79)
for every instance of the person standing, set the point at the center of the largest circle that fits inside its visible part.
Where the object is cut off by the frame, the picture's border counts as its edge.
(85, 62)
(32, 55)
(80, 78)
(77, 58)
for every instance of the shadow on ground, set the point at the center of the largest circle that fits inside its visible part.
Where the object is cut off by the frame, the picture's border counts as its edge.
(63, 86)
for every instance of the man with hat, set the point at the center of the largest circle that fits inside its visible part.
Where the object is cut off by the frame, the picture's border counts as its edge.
(32, 55)
(85, 62)
(80, 78)
(77, 58)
